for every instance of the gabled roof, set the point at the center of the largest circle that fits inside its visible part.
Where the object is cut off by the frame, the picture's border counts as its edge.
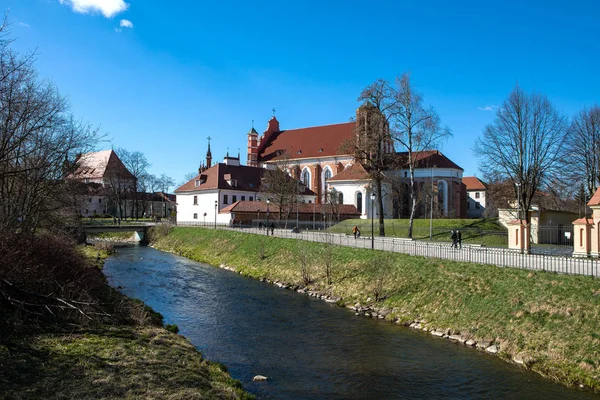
(473, 183)
(246, 179)
(595, 200)
(354, 172)
(426, 159)
(100, 164)
(316, 141)
(236, 177)
(303, 208)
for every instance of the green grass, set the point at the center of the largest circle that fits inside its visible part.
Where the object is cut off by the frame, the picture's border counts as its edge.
(124, 354)
(112, 363)
(474, 231)
(551, 321)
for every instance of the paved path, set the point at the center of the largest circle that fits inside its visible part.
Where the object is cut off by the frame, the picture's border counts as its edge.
(468, 253)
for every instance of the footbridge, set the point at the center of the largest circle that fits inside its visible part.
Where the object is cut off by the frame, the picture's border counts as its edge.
(140, 230)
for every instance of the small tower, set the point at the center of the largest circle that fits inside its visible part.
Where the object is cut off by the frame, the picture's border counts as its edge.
(252, 160)
(208, 155)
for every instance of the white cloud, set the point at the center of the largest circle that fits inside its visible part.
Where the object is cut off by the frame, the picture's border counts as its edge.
(487, 108)
(108, 8)
(125, 23)
(24, 25)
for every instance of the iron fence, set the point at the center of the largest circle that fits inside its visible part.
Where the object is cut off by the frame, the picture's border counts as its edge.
(564, 264)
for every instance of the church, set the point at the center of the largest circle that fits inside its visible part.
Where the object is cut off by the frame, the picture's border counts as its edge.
(315, 157)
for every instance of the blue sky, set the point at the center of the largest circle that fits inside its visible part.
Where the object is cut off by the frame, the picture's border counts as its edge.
(160, 77)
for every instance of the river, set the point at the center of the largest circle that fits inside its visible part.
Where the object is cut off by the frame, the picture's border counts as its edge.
(310, 349)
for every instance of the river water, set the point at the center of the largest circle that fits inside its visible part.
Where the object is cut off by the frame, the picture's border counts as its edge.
(310, 349)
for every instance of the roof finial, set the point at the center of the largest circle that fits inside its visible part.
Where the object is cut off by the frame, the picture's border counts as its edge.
(273, 111)
(252, 124)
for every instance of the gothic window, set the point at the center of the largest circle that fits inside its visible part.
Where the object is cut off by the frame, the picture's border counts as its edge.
(306, 178)
(359, 202)
(341, 198)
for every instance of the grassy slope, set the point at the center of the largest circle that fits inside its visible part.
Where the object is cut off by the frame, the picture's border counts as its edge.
(474, 231)
(111, 363)
(115, 361)
(551, 321)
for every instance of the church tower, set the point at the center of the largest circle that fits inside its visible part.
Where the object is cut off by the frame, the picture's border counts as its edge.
(252, 160)
(372, 129)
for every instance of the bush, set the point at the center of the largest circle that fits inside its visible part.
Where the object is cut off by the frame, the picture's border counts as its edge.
(172, 328)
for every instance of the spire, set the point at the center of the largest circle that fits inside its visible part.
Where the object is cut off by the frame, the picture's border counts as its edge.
(208, 155)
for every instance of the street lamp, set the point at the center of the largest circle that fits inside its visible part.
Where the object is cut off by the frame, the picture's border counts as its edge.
(431, 211)
(372, 221)
(258, 216)
(216, 205)
(268, 201)
(518, 184)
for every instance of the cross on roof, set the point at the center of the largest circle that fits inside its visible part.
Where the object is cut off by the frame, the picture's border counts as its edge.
(273, 111)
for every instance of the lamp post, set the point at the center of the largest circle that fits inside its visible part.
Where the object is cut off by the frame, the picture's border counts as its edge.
(268, 201)
(258, 216)
(216, 205)
(518, 184)
(372, 221)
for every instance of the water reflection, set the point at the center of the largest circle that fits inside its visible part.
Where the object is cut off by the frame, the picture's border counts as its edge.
(310, 349)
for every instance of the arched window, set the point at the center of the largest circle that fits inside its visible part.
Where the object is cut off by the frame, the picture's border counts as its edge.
(326, 175)
(341, 198)
(359, 202)
(306, 178)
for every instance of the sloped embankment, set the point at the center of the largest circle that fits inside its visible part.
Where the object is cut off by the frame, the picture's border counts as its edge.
(549, 323)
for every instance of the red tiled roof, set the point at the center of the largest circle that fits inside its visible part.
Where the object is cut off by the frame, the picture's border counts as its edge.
(100, 164)
(247, 178)
(354, 172)
(595, 200)
(583, 221)
(303, 208)
(316, 141)
(473, 183)
(219, 175)
(427, 159)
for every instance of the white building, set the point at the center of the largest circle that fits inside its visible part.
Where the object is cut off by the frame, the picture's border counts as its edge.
(476, 196)
(217, 187)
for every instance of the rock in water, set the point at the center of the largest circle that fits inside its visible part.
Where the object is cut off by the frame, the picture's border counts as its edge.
(259, 378)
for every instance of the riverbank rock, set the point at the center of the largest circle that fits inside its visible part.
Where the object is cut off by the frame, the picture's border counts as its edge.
(492, 349)
(259, 378)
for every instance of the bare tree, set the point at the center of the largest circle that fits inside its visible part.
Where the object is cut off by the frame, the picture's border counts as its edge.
(524, 145)
(281, 189)
(137, 163)
(582, 158)
(39, 140)
(373, 146)
(415, 128)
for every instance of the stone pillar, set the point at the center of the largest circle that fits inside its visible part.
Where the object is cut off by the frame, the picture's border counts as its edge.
(518, 236)
(582, 237)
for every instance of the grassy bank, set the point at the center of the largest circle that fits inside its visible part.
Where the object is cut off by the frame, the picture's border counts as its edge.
(550, 322)
(474, 231)
(111, 363)
(65, 334)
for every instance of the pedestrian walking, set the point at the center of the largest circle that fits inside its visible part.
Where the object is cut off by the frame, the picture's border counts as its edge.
(459, 239)
(454, 238)
(355, 231)
(272, 228)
